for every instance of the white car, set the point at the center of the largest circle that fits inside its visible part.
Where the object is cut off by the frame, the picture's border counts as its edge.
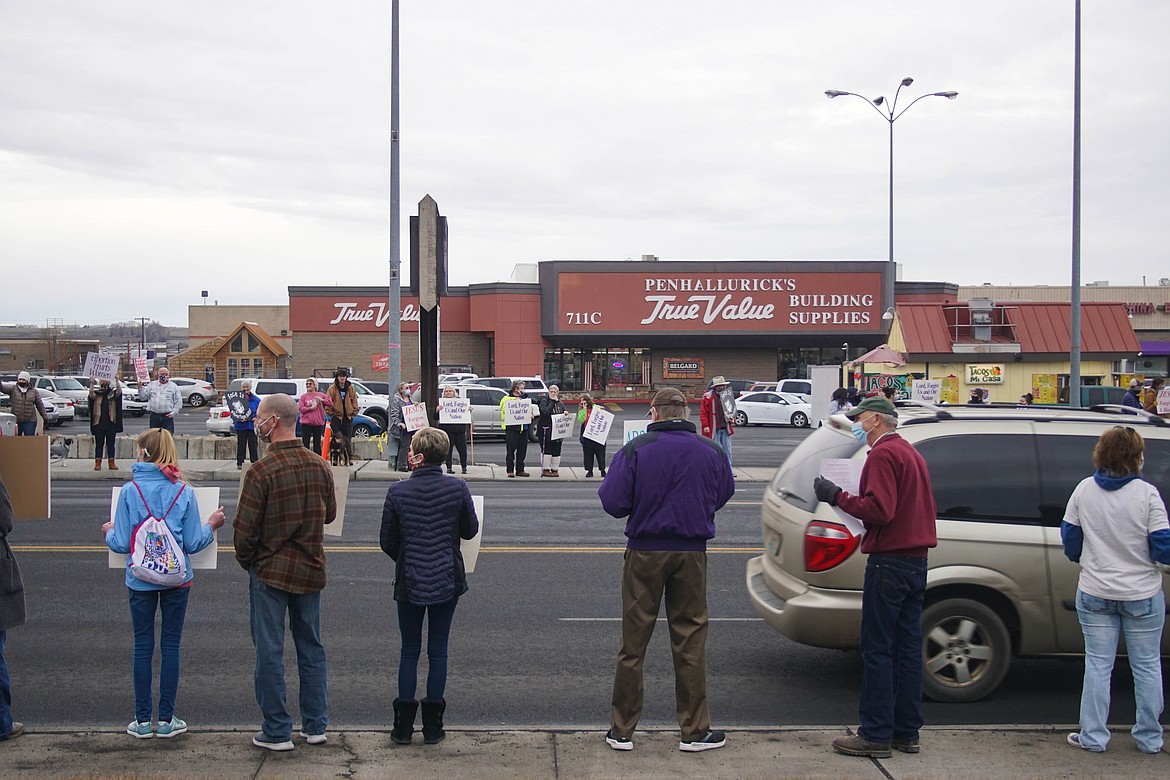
(195, 392)
(69, 387)
(219, 421)
(772, 409)
(66, 408)
(130, 403)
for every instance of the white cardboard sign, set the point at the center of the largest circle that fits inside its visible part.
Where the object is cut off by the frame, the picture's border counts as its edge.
(470, 547)
(562, 426)
(456, 411)
(1164, 401)
(208, 498)
(141, 372)
(517, 411)
(101, 366)
(597, 428)
(415, 416)
(926, 390)
(341, 476)
(632, 429)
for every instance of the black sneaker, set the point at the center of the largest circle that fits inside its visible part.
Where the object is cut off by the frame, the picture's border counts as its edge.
(618, 743)
(712, 740)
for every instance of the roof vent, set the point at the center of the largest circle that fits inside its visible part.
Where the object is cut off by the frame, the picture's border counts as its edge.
(981, 309)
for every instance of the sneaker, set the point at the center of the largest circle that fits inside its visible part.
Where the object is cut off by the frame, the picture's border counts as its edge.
(523, 474)
(904, 745)
(315, 739)
(712, 740)
(1074, 739)
(464, 469)
(139, 729)
(618, 743)
(171, 728)
(859, 746)
(262, 740)
(17, 730)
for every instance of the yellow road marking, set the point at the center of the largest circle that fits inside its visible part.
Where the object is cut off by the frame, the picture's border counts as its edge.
(225, 550)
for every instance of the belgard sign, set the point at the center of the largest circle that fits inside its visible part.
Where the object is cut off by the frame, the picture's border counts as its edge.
(682, 368)
(691, 301)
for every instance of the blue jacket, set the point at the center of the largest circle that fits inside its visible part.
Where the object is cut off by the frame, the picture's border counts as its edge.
(422, 521)
(669, 482)
(183, 519)
(254, 406)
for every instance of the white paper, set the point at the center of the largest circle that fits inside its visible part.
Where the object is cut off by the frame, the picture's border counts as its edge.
(562, 426)
(927, 390)
(208, 498)
(141, 372)
(101, 366)
(597, 428)
(415, 416)
(341, 475)
(846, 472)
(632, 429)
(517, 411)
(456, 411)
(470, 547)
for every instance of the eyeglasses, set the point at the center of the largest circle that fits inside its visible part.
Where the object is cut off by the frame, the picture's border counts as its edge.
(1123, 428)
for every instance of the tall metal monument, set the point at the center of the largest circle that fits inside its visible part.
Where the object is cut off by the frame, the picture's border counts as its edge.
(428, 272)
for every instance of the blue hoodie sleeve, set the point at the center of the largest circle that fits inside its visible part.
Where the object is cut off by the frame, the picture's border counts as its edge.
(1073, 539)
(196, 535)
(125, 519)
(617, 489)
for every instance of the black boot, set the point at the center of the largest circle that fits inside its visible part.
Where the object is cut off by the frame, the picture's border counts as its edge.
(404, 712)
(432, 718)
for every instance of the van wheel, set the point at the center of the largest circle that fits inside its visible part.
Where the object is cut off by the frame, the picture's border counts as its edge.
(965, 650)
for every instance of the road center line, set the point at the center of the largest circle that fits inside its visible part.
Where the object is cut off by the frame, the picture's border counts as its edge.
(660, 620)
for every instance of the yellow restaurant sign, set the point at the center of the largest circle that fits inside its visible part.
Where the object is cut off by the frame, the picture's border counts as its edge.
(984, 374)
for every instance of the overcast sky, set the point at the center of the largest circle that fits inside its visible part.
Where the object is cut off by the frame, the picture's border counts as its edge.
(151, 149)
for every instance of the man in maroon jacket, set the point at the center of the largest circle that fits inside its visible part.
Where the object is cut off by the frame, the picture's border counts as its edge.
(896, 505)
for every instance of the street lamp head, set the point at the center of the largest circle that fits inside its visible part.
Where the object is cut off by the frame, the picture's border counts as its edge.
(877, 101)
(832, 93)
(888, 315)
(951, 95)
(907, 81)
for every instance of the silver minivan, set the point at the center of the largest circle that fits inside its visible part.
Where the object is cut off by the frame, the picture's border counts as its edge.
(998, 584)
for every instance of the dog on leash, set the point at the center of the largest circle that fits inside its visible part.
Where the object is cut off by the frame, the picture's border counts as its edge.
(340, 449)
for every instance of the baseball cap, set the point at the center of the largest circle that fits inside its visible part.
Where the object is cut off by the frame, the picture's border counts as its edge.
(877, 403)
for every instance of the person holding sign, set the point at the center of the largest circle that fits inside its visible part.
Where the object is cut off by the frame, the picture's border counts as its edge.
(158, 490)
(456, 432)
(516, 417)
(423, 519)
(669, 483)
(243, 412)
(896, 505)
(105, 419)
(398, 430)
(550, 449)
(594, 451)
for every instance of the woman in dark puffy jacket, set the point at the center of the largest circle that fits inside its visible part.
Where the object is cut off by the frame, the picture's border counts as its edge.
(422, 521)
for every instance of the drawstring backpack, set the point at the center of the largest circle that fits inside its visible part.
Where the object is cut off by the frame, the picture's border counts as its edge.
(155, 555)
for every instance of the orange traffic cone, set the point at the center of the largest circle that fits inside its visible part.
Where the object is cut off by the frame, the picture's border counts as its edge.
(325, 442)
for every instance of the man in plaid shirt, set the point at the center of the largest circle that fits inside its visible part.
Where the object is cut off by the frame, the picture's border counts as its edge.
(286, 499)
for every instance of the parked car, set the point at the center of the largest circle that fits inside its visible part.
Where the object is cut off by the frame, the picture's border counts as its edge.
(377, 388)
(130, 403)
(772, 409)
(998, 583)
(68, 387)
(196, 392)
(369, 403)
(738, 386)
(67, 409)
(454, 379)
(219, 423)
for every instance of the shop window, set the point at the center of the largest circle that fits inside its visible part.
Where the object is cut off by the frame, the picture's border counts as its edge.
(564, 368)
(619, 368)
(232, 370)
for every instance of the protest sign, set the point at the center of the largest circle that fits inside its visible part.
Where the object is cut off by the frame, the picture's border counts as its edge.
(927, 390)
(632, 429)
(597, 428)
(141, 372)
(415, 416)
(517, 411)
(101, 366)
(341, 475)
(562, 426)
(470, 547)
(237, 405)
(455, 411)
(1164, 401)
(208, 498)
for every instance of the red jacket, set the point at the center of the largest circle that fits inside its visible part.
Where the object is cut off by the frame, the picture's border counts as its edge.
(707, 416)
(896, 503)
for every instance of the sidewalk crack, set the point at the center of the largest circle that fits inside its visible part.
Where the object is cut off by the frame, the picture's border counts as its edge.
(555, 757)
(263, 758)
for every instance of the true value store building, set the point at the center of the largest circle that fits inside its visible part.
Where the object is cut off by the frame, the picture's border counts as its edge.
(616, 329)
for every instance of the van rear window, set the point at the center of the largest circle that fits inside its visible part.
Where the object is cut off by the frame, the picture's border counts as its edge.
(794, 481)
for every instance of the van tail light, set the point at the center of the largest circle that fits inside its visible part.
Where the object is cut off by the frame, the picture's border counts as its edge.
(827, 545)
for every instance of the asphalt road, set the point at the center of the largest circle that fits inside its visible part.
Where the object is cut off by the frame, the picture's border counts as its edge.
(534, 640)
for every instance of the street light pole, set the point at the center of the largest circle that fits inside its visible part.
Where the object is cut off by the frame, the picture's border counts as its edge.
(891, 114)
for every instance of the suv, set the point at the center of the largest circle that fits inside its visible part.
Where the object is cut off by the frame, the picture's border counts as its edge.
(533, 385)
(998, 583)
(801, 387)
(369, 403)
(738, 386)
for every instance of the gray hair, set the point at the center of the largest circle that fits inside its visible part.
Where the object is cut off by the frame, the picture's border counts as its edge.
(888, 420)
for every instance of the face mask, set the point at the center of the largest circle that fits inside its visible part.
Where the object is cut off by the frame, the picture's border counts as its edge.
(859, 432)
(162, 380)
(22, 384)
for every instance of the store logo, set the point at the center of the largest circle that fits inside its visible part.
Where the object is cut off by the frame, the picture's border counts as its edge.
(374, 312)
(706, 307)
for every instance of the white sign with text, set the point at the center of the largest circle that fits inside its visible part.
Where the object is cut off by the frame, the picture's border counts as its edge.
(101, 366)
(597, 429)
(456, 411)
(927, 390)
(632, 429)
(415, 416)
(469, 548)
(141, 371)
(517, 411)
(562, 426)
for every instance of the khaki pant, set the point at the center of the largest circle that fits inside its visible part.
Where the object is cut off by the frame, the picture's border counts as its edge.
(683, 578)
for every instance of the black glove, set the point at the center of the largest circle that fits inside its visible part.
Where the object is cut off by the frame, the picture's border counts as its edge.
(826, 490)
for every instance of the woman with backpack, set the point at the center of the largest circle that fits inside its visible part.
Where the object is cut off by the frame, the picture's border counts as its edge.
(156, 525)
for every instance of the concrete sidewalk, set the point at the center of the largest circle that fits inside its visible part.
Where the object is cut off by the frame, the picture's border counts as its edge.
(1001, 752)
(363, 470)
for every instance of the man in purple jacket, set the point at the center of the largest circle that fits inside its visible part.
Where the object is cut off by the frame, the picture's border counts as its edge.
(895, 503)
(668, 482)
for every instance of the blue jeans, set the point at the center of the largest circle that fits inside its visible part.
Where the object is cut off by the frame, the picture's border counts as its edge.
(172, 602)
(268, 607)
(723, 439)
(1102, 621)
(26, 428)
(5, 690)
(410, 619)
(162, 421)
(891, 648)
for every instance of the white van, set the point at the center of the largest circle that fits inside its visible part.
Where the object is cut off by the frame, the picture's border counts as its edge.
(369, 403)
